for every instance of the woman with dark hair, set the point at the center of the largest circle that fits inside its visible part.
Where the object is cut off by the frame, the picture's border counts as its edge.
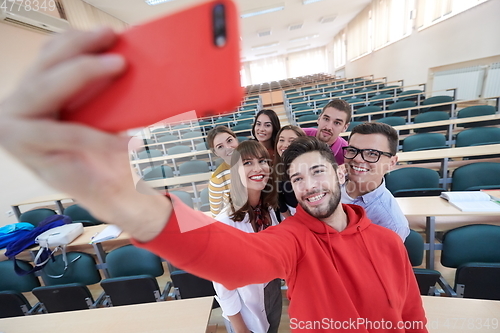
(265, 128)
(256, 307)
(222, 142)
(286, 197)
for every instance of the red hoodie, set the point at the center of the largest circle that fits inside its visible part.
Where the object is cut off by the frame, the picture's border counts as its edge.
(357, 280)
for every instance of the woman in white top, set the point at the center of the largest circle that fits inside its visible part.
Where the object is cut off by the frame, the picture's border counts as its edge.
(254, 308)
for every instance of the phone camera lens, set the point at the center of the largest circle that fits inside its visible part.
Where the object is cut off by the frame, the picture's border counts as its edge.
(219, 25)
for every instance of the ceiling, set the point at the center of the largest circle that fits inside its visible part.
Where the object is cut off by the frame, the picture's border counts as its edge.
(306, 19)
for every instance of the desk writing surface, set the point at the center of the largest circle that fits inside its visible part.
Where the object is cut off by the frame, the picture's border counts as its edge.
(456, 152)
(197, 177)
(179, 316)
(43, 198)
(432, 206)
(451, 314)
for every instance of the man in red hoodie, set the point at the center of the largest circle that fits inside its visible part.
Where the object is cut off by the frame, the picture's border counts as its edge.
(340, 275)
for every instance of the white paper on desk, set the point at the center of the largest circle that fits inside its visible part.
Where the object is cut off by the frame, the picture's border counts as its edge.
(110, 232)
(476, 206)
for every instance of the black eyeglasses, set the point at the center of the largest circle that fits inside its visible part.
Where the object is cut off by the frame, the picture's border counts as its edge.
(369, 155)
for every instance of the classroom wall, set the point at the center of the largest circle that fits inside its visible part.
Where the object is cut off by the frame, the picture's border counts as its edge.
(469, 35)
(19, 48)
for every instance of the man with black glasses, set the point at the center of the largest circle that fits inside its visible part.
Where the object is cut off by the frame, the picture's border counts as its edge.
(370, 155)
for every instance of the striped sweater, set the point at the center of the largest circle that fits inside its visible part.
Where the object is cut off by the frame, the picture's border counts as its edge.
(218, 188)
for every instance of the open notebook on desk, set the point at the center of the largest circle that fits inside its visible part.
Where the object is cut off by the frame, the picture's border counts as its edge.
(472, 201)
(110, 232)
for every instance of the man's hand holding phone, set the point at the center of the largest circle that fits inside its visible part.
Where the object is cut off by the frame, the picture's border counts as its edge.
(89, 165)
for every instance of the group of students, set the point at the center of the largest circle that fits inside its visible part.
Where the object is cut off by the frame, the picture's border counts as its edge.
(262, 195)
(343, 271)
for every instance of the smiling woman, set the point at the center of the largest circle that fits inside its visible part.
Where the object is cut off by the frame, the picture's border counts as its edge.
(265, 128)
(256, 307)
(221, 141)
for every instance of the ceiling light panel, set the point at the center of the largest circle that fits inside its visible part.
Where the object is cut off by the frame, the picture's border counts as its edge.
(306, 2)
(265, 46)
(263, 10)
(298, 48)
(303, 38)
(266, 54)
(156, 2)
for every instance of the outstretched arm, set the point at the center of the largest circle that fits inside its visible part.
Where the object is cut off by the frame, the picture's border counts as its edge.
(87, 164)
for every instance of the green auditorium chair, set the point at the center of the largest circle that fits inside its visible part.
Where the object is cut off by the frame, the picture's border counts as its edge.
(193, 167)
(475, 111)
(15, 304)
(159, 172)
(66, 288)
(167, 141)
(381, 99)
(431, 116)
(178, 150)
(204, 200)
(36, 216)
(245, 128)
(413, 181)
(356, 103)
(473, 250)
(437, 100)
(424, 141)
(309, 120)
(478, 136)
(401, 105)
(132, 280)
(201, 146)
(476, 176)
(404, 95)
(242, 138)
(353, 124)
(393, 88)
(12, 301)
(195, 134)
(78, 214)
(426, 278)
(149, 153)
(394, 121)
(188, 285)
(367, 109)
(184, 196)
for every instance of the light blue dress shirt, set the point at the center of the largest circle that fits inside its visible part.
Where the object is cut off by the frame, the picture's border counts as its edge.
(381, 208)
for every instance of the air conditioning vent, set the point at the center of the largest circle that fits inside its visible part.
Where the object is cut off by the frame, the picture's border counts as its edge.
(33, 20)
(295, 26)
(264, 33)
(327, 19)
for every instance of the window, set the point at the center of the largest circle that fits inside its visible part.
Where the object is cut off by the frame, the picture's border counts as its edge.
(430, 12)
(392, 21)
(339, 50)
(307, 62)
(358, 35)
(267, 69)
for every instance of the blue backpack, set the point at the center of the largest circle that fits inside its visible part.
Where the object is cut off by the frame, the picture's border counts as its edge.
(27, 241)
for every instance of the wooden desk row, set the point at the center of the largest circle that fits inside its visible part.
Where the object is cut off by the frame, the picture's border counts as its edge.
(189, 316)
(408, 110)
(373, 83)
(430, 208)
(444, 314)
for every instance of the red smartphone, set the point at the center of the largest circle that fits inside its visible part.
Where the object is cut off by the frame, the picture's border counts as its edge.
(189, 60)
